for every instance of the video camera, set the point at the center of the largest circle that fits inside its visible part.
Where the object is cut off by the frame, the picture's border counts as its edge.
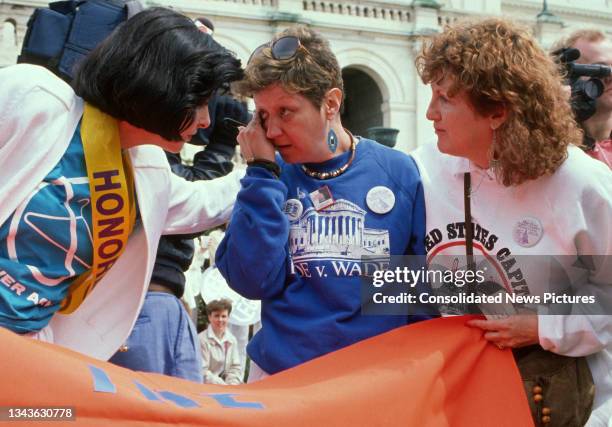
(584, 92)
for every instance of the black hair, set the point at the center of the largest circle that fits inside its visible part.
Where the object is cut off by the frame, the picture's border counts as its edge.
(154, 71)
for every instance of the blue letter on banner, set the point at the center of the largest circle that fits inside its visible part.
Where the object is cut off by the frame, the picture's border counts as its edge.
(181, 401)
(227, 401)
(102, 382)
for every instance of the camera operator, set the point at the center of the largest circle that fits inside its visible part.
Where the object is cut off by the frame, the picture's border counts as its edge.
(164, 339)
(595, 49)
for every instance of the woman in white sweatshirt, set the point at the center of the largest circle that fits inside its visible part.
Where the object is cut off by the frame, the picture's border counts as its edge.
(507, 182)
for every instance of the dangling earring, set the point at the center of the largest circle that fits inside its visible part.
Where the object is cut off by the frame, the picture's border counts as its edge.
(332, 140)
(493, 162)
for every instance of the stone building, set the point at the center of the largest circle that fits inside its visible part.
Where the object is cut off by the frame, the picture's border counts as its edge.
(375, 42)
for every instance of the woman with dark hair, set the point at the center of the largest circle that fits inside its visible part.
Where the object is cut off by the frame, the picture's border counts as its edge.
(156, 73)
(507, 186)
(306, 219)
(87, 188)
(220, 357)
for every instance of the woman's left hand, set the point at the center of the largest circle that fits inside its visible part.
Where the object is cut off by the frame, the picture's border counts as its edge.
(511, 332)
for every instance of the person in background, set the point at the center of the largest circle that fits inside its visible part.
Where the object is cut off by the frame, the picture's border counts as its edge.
(220, 358)
(164, 339)
(205, 25)
(595, 48)
(93, 175)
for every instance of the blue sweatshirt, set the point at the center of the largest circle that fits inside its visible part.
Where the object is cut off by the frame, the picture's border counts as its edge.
(304, 264)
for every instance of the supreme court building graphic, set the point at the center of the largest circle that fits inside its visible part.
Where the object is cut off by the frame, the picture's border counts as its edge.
(337, 232)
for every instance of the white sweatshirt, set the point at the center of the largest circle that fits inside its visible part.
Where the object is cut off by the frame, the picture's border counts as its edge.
(567, 214)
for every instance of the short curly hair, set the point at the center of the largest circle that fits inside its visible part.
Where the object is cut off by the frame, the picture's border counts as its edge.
(498, 62)
(311, 72)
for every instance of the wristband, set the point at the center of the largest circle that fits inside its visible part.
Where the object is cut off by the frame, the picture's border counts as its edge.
(266, 164)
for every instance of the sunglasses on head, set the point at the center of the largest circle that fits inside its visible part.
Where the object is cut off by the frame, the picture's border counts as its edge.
(284, 48)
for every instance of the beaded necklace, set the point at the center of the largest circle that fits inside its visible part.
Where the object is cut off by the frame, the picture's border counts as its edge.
(336, 172)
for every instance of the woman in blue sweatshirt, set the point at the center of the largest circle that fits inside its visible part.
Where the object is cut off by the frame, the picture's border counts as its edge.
(305, 218)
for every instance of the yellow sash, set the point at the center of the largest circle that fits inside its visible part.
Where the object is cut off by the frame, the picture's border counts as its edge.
(113, 207)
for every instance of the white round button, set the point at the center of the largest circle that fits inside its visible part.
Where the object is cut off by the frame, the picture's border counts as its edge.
(293, 209)
(380, 199)
(527, 232)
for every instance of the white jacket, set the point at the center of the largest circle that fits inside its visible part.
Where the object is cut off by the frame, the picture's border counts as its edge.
(574, 210)
(220, 358)
(38, 116)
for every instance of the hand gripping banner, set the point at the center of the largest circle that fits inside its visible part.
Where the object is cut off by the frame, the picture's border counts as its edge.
(434, 373)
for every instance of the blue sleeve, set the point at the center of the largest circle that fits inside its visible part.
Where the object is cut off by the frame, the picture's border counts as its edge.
(210, 163)
(416, 245)
(413, 188)
(254, 255)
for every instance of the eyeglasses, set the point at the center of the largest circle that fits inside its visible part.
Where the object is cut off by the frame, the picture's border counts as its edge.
(284, 48)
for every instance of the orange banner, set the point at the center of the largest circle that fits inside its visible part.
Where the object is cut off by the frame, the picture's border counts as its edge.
(434, 373)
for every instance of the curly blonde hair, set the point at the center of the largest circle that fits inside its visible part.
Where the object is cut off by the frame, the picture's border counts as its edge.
(499, 63)
(311, 72)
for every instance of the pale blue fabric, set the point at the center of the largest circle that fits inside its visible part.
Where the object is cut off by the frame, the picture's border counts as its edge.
(164, 340)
